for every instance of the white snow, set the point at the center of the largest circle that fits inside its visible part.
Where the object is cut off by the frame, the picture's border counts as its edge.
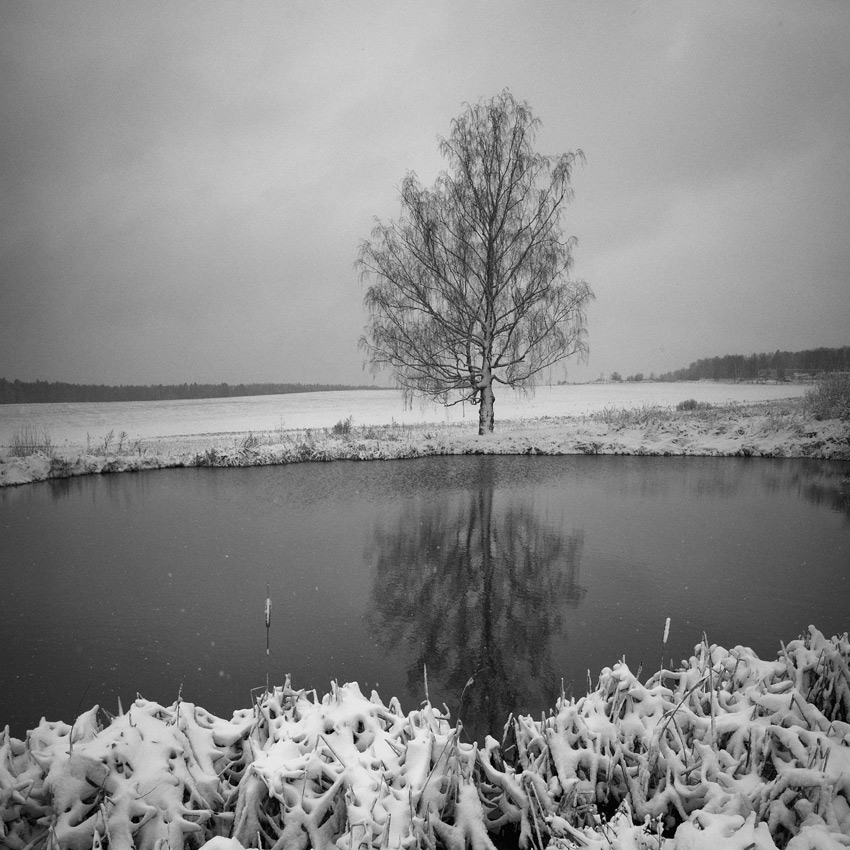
(71, 424)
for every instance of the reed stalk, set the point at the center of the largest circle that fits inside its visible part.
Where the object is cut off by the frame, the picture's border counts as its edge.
(268, 615)
(663, 648)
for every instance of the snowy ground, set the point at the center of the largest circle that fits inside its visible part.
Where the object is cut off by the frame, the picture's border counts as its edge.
(743, 419)
(74, 424)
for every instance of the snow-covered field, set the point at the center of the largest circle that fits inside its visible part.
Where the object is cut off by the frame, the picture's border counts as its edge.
(75, 424)
(261, 430)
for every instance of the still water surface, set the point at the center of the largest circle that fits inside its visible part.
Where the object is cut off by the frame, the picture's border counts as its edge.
(517, 572)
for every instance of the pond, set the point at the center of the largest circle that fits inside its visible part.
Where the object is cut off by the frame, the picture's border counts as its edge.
(525, 575)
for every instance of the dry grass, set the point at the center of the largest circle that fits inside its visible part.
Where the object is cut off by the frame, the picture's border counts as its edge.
(650, 415)
(626, 417)
(28, 440)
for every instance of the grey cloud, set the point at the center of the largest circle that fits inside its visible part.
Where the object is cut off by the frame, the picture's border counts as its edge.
(176, 174)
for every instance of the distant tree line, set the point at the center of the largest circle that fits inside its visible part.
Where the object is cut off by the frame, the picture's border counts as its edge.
(781, 365)
(34, 392)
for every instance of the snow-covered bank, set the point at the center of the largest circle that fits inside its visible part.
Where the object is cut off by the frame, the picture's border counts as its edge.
(726, 751)
(767, 430)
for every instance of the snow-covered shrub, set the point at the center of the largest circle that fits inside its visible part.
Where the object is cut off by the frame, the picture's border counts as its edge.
(249, 442)
(150, 778)
(726, 751)
(209, 457)
(342, 428)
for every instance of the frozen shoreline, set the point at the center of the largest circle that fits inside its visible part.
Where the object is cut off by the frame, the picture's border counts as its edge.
(770, 429)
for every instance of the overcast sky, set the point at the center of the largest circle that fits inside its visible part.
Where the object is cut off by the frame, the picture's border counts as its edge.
(184, 185)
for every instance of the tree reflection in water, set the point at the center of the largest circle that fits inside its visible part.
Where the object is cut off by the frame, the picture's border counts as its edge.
(474, 586)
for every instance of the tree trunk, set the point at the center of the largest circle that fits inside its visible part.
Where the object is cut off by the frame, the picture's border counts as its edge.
(485, 411)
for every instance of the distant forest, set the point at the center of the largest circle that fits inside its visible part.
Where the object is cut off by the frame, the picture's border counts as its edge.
(779, 366)
(34, 392)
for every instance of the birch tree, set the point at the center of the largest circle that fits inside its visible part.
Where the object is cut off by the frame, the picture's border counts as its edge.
(470, 287)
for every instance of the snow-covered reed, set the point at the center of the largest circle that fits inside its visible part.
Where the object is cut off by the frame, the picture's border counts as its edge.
(726, 751)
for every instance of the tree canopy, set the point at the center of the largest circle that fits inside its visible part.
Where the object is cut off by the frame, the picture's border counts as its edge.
(470, 286)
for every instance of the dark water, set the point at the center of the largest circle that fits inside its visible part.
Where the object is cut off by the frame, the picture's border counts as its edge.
(517, 572)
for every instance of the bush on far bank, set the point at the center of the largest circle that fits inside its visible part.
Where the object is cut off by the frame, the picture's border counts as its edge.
(830, 397)
(693, 404)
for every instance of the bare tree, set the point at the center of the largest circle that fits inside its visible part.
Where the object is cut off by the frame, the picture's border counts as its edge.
(470, 286)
